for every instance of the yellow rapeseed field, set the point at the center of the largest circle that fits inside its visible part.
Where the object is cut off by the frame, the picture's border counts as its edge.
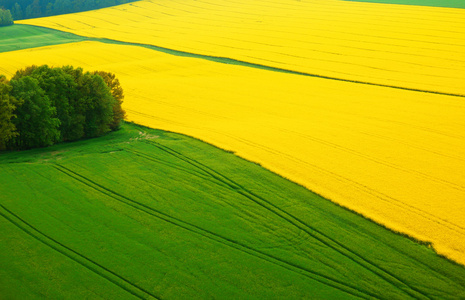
(395, 156)
(409, 46)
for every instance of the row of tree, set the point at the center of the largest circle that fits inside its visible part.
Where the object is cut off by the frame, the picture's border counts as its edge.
(5, 17)
(41, 106)
(27, 9)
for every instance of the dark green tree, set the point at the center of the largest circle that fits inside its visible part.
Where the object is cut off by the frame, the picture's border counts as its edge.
(92, 100)
(78, 118)
(7, 107)
(59, 104)
(58, 7)
(78, 5)
(28, 12)
(17, 11)
(24, 72)
(49, 9)
(6, 18)
(34, 10)
(36, 121)
(68, 6)
(59, 87)
(117, 92)
(98, 105)
(89, 4)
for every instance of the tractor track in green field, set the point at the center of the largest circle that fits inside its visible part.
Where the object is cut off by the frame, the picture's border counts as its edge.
(79, 258)
(225, 181)
(298, 223)
(317, 276)
(207, 173)
(295, 221)
(175, 166)
(176, 224)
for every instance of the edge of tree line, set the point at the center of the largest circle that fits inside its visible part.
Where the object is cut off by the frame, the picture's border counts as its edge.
(41, 106)
(6, 18)
(29, 9)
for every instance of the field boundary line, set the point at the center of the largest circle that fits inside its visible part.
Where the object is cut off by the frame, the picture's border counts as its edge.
(232, 61)
(383, 197)
(295, 221)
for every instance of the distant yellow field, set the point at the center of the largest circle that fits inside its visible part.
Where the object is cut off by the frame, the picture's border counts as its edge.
(395, 156)
(408, 46)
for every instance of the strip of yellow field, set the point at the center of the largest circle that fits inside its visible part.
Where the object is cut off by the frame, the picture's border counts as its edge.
(401, 45)
(395, 156)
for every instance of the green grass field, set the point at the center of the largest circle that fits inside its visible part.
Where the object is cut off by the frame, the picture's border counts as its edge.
(19, 37)
(143, 213)
(438, 3)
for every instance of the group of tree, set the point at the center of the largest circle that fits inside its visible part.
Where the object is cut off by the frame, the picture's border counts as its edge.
(27, 9)
(5, 17)
(41, 106)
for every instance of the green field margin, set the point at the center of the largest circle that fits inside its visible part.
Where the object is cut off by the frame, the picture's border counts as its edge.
(436, 3)
(19, 37)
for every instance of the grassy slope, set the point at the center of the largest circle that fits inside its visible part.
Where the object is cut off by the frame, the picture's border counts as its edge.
(146, 213)
(19, 37)
(438, 3)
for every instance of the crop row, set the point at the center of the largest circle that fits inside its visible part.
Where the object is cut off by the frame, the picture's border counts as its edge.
(403, 46)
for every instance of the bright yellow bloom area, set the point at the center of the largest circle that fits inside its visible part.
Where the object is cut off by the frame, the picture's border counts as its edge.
(401, 45)
(395, 156)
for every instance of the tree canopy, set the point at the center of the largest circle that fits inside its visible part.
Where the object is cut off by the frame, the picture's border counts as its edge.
(27, 9)
(7, 108)
(36, 120)
(5, 17)
(41, 106)
(117, 91)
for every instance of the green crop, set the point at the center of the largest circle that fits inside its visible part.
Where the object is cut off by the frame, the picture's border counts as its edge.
(18, 37)
(143, 213)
